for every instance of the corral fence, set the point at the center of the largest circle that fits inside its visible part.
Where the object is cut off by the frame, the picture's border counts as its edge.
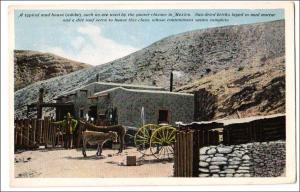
(227, 132)
(32, 133)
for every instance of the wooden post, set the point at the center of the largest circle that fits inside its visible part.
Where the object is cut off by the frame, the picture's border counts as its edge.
(30, 132)
(184, 154)
(43, 131)
(21, 134)
(176, 156)
(34, 132)
(50, 133)
(40, 127)
(191, 153)
(188, 145)
(40, 101)
(228, 135)
(195, 152)
(46, 130)
(181, 155)
(16, 133)
(27, 123)
(54, 135)
(180, 166)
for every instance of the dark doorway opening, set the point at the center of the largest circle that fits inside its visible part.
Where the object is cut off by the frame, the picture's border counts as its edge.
(61, 112)
(81, 113)
(93, 112)
(163, 116)
(112, 116)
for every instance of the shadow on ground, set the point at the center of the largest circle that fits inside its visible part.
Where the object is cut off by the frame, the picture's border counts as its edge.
(91, 157)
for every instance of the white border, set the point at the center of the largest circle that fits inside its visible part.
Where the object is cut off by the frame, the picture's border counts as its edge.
(5, 108)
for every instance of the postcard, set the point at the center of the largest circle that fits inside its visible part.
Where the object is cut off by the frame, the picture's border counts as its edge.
(144, 93)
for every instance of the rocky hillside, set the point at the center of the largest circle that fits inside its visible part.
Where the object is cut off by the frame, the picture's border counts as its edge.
(193, 55)
(256, 90)
(33, 66)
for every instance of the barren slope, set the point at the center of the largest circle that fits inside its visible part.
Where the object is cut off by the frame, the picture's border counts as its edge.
(256, 90)
(33, 66)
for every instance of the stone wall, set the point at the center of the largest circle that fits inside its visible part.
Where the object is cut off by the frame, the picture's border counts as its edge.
(205, 105)
(266, 159)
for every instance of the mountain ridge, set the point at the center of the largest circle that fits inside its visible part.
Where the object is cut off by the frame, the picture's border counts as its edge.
(192, 55)
(32, 66)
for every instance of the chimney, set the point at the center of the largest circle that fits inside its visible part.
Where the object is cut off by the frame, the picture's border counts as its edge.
(97, 78)
(171, 81)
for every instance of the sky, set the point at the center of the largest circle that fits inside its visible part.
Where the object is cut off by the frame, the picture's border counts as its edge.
(99, 42)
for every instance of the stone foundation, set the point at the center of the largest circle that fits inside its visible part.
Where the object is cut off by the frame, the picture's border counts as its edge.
(265, 159)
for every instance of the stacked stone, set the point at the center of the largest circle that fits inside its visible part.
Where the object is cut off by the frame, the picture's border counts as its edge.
(268, 158)
(225, 161)
(265, 159)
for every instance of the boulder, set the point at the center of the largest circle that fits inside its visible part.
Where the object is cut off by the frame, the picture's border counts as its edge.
(233, 166)
(229, 171)
(244, 168)
(234, 163)
(219, 155)
(218, 163)
(224, 150)
(246, 157)
(203, 164)
(219, 159)
(211, 151)
(203, 175)
(204, 170)
(214, 167)
(215, 170)
(238, 175)
(242, 171)
(203, 150)
(203, 157)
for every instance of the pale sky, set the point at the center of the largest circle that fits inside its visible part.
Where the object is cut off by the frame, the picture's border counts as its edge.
(100, 42)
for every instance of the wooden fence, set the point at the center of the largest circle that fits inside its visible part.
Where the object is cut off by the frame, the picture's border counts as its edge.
(32, 133)
(227, 132)
(183, 154)
(259, 130)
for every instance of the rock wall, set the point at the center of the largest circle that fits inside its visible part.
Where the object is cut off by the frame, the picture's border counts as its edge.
(266, 159)
(205, 105)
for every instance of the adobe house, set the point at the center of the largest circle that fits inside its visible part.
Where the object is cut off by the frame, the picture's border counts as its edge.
(122, 104)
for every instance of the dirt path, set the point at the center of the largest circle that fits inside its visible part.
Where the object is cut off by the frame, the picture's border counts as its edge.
(71, 163)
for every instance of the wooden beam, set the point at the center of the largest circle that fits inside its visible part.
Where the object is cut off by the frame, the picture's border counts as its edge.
(93, 97)
(103, 95)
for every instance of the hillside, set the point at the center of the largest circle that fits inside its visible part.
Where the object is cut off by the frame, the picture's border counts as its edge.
(33, 66)
(194, 55)
(257, 90)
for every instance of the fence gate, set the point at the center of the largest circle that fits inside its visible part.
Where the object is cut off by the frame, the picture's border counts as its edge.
(183, 162)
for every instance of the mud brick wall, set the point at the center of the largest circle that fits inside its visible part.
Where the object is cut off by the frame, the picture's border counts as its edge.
(266, 159)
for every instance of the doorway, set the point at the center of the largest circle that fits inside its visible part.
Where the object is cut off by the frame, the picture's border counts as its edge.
(163, 116)
(93, 112)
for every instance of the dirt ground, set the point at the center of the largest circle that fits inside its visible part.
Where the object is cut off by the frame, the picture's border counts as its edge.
(46, 163)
